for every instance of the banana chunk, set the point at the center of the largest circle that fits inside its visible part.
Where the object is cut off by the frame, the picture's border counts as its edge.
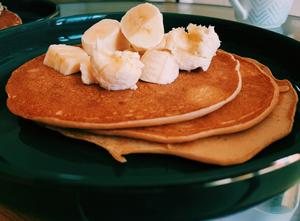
(107, 33)
(194, 48)
(117, 70)
(87, 73)
(162, 44)
(159, 67)
(143, 26)
(65, 59)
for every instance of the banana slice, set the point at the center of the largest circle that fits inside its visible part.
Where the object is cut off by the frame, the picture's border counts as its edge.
(162, 44)
(159, 67)
(194, 48)
(108, 34)
(65, 59)
(87, 76)
(117, 70)
(143, 26)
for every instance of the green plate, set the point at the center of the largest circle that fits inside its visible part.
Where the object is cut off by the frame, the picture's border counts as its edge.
(148, 186)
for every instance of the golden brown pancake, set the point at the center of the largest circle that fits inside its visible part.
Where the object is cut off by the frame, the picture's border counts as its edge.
(255, 102)
(282, 84)
(8, 19)
(221, 150)
(39, 93)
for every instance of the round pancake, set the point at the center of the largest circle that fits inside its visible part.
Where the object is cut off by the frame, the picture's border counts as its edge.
(256, 100)
(8, 19)
(39, 93)
(223, 150)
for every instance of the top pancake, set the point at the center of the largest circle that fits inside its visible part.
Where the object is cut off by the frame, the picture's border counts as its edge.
(255, 102)
(39, 93)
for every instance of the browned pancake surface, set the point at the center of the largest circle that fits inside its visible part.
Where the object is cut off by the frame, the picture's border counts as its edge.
(8, 19)
(39, 93)
(256, 100)
(282, 84)
(227, 149)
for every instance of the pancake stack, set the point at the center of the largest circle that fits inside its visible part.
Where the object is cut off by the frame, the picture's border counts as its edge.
(223, 116)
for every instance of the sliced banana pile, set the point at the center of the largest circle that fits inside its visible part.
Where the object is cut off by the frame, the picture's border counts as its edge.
(116, 54)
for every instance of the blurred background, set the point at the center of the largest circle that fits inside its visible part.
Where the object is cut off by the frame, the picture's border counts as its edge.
(294, 11)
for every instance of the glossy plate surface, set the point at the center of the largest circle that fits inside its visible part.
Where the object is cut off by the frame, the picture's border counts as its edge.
(30, 153)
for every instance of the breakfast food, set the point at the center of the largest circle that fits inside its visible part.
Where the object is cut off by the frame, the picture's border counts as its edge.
(86, 71)
(228, 149)
(143, 26)
(107, 34)
(8, 18)
(73, 104)
(65, 59)
(159, 67)
(131, 88)
(256, 100)
(116, 70)
(194, 48)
